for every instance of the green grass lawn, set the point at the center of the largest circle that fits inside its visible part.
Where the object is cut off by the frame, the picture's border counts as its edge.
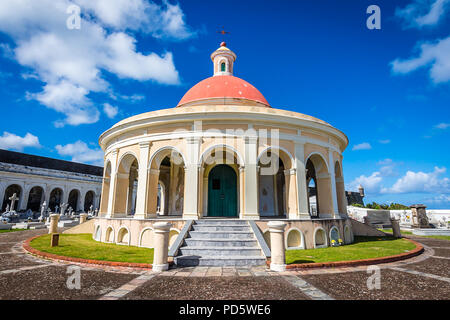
(12, 230)
(83, 246)
(362, 248)
(410, 233)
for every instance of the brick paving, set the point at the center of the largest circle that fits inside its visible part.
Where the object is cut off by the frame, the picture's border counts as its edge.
(23, 276)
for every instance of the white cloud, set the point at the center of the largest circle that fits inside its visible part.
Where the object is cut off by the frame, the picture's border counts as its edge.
(80, 152)
(362, 146)
(387, 141)
(110, 110)
(442, 126)
(423, 13)
(71, 62)
(435, 55)
(371, 184)
(10, 141)
(421, 182)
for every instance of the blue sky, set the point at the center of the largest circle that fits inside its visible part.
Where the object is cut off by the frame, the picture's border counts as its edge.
(387, 89)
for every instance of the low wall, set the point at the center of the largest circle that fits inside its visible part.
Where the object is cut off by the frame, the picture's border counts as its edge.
(310, 234)
(361, 229)
(130, 231)
(87, 227)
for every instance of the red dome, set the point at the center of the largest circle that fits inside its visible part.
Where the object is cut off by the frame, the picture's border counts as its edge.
(223, 87)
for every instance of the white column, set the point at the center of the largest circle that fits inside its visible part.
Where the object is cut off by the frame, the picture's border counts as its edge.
(190, 208)
(112, 183)
(80, 203)
(24, 197)
(251, 179)
(333, 183)
(302, 192)
(142, 187)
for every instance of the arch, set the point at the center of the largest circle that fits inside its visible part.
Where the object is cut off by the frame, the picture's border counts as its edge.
(35, 198)
(74, 197)
(167, 166)
(223, 147)
(56, 197)
(295, 239)
(146, 238)
(320, 238)
(105, 188)
(314, 157)
(347, 235)
(97, 233)
(88, 200)
(340, 188)
(158, 156)
(126, 185)
(334, 234)
(123, 235)
(109, 234)
(173, 235)
(9, 192)
(283, 154)
(317, 170)
(273, 195)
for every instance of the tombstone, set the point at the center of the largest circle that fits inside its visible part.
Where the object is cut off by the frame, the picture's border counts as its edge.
(13, 199)
(7, 208)
(91, 209)
(56, 208)
(419, 216)
(63, 209)
(42, 216)
(96, 212)
(70, 211)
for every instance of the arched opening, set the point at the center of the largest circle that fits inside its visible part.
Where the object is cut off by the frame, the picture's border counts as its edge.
(9, 192)
(146, 239)
(166, 183)
(273, 192)
(126, 186)
(340, 189)
(294, 239)
(222, 192)
(173, 235)
(319, 186)
(221, 182)
(334, 235)
(223, 67)
(123, 236)
(55, 199)
(105, 189)
(35, 198)
(98, 233)
(320, 238)
(109, 235)
(74, 195)
(89, 201)
(347, 235)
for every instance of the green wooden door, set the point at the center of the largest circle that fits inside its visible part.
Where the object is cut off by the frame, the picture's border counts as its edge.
(222, 192)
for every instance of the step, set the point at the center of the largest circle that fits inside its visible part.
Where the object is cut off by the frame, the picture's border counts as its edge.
(223, 227)
(220, 222)
(221, 242)
(222, 252)
(229, 261)
(233, 235)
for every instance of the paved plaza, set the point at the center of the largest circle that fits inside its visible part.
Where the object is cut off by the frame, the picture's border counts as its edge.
(23, 276)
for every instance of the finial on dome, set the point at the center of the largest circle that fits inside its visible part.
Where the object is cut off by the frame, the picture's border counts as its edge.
(223, 59)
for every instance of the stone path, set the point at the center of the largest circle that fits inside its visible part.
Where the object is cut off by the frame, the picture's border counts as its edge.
(23, 276)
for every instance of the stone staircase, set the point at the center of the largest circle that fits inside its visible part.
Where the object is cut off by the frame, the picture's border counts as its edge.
(220, 243)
